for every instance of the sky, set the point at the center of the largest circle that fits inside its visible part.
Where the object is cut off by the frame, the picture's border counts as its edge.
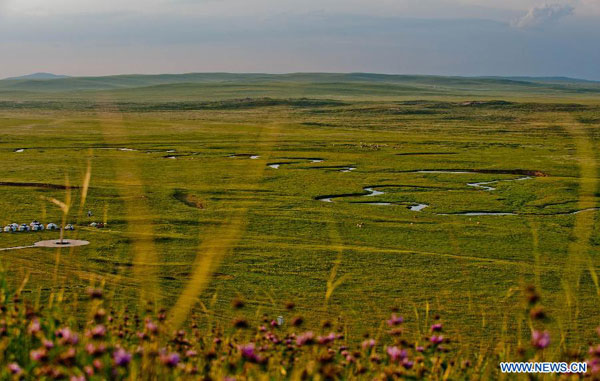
(443, 37)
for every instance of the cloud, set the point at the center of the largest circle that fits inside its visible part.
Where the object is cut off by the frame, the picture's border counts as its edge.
(133, 42)
(545, 14)
(588, 8)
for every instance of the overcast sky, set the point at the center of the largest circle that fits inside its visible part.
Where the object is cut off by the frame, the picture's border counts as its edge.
(448, 37)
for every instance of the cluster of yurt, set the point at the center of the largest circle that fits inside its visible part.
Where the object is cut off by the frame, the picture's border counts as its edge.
(34, 226)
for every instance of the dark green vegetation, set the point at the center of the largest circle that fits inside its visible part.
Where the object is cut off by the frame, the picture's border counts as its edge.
(173, 199)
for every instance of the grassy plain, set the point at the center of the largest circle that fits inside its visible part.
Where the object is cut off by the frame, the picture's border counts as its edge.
(178, 196)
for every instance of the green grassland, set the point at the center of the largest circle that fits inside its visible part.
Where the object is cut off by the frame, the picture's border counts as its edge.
(389, 128)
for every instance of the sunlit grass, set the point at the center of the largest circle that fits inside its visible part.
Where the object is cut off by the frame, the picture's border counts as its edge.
(260, 234)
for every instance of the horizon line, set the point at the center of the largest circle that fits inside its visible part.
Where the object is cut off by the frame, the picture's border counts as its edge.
(513, 76)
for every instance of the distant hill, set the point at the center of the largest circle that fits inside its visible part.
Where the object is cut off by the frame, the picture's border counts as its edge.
(39, 76)
(215, 86)
(551, 79)
(51, 82)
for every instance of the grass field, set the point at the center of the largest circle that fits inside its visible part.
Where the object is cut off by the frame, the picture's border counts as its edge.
(190, 211)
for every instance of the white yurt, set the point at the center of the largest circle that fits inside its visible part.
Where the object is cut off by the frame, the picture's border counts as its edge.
(37, 228)
(52, 226)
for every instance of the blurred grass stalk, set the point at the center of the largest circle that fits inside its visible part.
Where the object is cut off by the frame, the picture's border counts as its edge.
(141, 230)
(578, 251)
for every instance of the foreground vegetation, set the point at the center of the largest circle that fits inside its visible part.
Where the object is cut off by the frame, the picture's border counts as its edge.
(206, 199)
(49, 342)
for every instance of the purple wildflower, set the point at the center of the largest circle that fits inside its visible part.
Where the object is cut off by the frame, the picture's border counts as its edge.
(272, 338)
(436, 327)
(407, 363)
(396, 354)
(98, 331)
(95, 349)
(420, 348)
(436, 339)
(370, 343)
(248, 352)
(88, 370)
(151, 326)
(65, 335)
(47, 344)
(323, 340)
(594, 365)
(540, 339)
(594, 351)
(38, 354)
(90, 348)
(191, 353)
(305, 338)
(395, 320)
(170, 359)
(121, 357)
(34, 327)
(98, 364)
(14, 368)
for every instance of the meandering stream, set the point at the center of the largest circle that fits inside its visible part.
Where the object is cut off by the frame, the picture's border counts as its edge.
(484, 185)
(278, 165)
(372, 192)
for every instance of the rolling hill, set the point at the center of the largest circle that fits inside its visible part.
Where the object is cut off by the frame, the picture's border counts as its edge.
(219, 86)
(38, 76)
